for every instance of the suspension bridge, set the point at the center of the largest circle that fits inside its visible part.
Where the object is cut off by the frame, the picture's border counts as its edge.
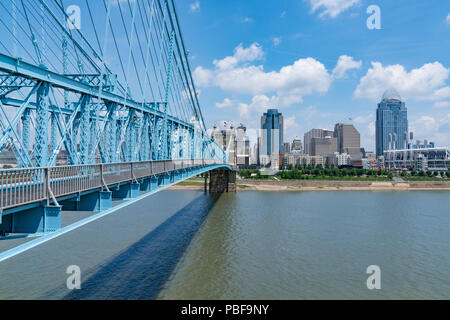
(97, 102)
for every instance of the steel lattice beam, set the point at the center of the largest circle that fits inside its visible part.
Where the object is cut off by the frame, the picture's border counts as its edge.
(62, 97)
(41, 141)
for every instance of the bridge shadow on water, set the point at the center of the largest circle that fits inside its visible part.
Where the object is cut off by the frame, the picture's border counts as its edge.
(141, 270)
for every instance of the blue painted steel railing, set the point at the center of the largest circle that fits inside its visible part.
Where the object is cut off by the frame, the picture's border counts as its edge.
(19, 187)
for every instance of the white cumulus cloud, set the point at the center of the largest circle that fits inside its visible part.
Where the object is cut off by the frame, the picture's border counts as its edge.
(448, 18)
(242, 76)
(252, 53)
(226, 103)
(202, 77)
(344, 64)
(239, 75)
(304, 76)
(331, 8)
(425, 83)
(241, 54)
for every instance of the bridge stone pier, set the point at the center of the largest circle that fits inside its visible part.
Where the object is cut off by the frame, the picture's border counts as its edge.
(222, 180)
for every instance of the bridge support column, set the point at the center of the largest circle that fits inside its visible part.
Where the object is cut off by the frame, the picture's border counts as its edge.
(96, 201)
(127, 191)
(221, 181)
(39, 219)
(145, 184)
(149, 184)
(173, 176)
(177, 175)
(187, 172)
(166, 178)
(153, 183)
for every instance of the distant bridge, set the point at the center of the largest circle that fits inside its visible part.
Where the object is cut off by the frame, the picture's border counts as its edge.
(95, 111)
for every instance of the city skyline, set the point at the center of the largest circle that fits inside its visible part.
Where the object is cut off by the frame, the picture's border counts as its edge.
(348, 68)
(340, 130)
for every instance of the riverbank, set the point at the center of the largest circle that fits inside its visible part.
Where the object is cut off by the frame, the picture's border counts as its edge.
(311, 185)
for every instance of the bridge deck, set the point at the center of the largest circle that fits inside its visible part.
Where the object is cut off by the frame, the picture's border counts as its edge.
(20, 187)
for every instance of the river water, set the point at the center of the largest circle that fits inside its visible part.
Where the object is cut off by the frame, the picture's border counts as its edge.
(249, 245)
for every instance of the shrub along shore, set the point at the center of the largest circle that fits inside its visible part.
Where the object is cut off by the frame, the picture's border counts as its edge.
(310, 182)
(309, 178)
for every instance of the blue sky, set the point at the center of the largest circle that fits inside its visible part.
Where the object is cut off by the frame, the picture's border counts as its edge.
(318, 63)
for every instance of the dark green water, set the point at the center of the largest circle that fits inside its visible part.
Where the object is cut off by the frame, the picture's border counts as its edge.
(318, 245)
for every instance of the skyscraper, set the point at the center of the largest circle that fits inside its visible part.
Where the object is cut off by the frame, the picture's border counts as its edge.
(391, 123)
(348, 140)
(272, 134)
(315, 133)
(323, 146)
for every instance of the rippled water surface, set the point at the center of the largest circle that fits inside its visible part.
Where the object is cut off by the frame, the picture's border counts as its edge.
(248, 245)
(318, 245)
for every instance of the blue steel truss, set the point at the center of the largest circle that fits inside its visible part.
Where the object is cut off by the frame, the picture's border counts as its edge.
(119, 89)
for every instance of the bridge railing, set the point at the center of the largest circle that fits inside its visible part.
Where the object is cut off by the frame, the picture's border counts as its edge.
(24, 186)
(67, 180)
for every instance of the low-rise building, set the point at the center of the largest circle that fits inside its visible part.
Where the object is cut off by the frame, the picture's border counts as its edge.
(437, 159)
(338, 159)
(369, 164)
(296, 158)
(370, 155)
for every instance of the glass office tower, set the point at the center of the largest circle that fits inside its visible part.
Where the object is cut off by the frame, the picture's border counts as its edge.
(391, 123)
(272, 133)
